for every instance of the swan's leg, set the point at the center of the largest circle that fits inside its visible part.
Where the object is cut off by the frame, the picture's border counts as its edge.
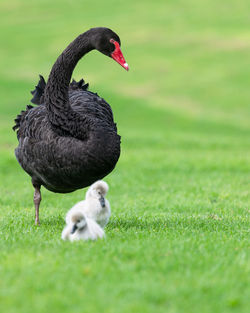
(37, 200)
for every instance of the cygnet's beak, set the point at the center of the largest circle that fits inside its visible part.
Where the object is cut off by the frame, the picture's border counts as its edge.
(74, 228)
(102, 201)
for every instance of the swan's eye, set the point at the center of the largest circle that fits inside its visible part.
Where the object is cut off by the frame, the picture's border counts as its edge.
(112, 41)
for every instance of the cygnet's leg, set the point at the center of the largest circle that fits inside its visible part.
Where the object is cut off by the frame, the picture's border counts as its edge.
(37, 200)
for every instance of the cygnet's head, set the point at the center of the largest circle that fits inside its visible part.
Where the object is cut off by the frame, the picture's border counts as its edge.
(79, 221)
(98, 190)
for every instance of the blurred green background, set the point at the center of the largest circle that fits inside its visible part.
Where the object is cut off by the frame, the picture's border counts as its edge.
(178, 237)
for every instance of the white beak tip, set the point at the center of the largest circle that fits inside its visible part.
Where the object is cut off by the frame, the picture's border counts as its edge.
(126, 66)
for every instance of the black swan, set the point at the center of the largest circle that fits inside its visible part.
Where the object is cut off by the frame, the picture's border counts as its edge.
(70, 139)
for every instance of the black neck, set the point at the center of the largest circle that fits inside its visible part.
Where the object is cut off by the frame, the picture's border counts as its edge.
(56, 96)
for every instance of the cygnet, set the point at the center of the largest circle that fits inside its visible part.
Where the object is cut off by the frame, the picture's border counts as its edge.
(95, 205)
(80, 227)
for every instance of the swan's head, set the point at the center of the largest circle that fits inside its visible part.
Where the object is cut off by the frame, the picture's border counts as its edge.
(98, 191)
(108, 42)
(79, 222)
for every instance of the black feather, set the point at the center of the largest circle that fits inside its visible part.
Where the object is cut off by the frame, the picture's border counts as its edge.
(78, 85)
(38, 91)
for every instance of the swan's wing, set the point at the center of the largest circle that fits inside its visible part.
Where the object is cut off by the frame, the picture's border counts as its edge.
(18, 120)
(79, 205)
(87, 103)
(33, 123)
(94, 230)
(38, 91)
(76, 208)
(78, 85)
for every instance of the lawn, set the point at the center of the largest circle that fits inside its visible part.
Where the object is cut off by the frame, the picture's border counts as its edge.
(178, 238)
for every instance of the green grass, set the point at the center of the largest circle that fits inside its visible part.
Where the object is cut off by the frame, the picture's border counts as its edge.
(178, 238)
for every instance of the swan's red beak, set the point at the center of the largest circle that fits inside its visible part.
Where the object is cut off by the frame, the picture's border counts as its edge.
(118, 56)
